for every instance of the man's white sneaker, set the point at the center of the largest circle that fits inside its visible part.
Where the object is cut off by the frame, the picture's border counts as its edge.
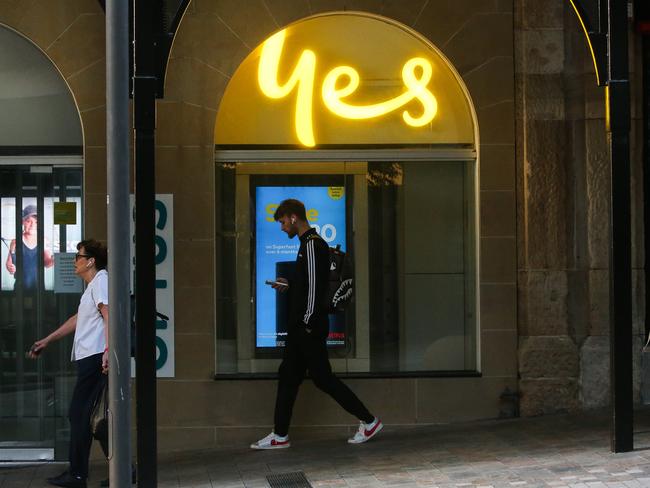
(272, 441)
(366, 431)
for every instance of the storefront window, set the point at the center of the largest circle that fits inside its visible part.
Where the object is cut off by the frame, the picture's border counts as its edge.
(409, 233)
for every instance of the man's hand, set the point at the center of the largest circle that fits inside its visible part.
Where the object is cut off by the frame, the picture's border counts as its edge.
(279, 287)
(11, 267)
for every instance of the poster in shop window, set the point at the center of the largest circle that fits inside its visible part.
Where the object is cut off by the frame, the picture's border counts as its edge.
(275, 254)
(33, 267)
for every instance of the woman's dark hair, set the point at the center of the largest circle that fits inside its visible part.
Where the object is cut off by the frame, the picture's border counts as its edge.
(97, 250)
(291, 206)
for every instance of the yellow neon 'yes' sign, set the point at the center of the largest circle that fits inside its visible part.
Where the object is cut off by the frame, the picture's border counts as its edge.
(303, 76)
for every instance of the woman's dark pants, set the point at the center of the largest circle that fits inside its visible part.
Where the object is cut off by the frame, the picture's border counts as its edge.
(90, 381)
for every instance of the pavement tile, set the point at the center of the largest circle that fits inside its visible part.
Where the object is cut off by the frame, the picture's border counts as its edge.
(554, 451)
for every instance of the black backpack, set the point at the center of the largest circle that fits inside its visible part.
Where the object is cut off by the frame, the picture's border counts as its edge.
(340, 281)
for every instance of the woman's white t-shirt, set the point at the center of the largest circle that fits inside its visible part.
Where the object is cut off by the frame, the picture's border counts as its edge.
(89, 338)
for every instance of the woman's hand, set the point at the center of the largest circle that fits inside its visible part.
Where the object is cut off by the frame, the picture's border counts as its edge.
(37, 348)
(105, 362)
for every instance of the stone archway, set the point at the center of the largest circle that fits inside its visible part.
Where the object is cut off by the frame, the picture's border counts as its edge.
(72, 36)
(213, 39)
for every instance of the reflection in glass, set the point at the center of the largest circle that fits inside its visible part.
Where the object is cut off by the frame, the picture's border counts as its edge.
(34, 394)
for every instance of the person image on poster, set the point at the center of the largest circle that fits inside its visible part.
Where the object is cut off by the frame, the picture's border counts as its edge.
(29, 265)
(308, 326)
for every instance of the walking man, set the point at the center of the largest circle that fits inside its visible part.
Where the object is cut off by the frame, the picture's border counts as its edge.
(308, 327)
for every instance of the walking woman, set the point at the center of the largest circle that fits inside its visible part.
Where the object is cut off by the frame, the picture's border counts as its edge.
(90, 354)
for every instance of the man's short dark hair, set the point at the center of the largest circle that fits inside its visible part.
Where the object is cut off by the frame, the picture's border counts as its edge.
(290, 206)
(97, 250)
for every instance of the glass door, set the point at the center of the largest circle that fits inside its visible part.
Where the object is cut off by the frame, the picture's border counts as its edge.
(34, 394)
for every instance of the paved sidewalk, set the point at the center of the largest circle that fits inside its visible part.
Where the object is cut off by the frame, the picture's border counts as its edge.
(554, 451)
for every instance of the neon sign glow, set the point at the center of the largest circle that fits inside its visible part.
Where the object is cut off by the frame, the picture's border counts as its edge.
(303, 76)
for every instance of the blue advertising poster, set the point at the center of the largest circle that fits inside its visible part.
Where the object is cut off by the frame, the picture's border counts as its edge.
(275, 253)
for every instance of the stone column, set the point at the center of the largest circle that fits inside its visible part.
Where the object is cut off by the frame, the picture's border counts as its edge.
(563, 215)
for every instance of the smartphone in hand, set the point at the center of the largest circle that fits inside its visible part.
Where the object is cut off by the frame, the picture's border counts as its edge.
(279, 283)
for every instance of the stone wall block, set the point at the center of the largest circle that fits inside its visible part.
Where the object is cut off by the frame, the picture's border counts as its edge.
(207, 38)
(497, 167)
(72, 55)
(545, 97)
(94, 124)
(95, 163)
(318, 6)
(542, 14)
(89, 86)
(598, 191)
(95, 205)
(543, 51)
(184, 124)
(638, 342)
(44, 24)
(238, 19)
(548, 396)
(11, 11)
(638, 301)
(455, 14)
(498, 263)
(599, 302)
(548, 357)
(545, 203)
(193, 81)
(199, 364)
(491, 82)
(193, 256)
(497, 123)
(286, 11)
(497, 213)
(405, 12)
(594, 372)
(194, 312)
(522, 303)
(498, 307)
(636, 188)
(505, 5)
(480, 37)
(578, 304)
(544, 294)
(594, 97)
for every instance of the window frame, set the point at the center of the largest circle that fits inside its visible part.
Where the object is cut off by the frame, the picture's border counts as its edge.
(362, 155)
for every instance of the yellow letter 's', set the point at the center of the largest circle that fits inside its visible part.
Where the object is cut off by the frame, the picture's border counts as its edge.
(417, 88)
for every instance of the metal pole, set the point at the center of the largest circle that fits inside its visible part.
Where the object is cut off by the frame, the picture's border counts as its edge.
(117, 150)
(144, 106)
(618, 130)
(645, 97)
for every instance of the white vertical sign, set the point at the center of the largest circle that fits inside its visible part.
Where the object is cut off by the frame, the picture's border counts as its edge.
(164, 226)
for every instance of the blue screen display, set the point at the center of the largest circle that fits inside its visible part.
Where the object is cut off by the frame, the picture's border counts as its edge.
(275, 253)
